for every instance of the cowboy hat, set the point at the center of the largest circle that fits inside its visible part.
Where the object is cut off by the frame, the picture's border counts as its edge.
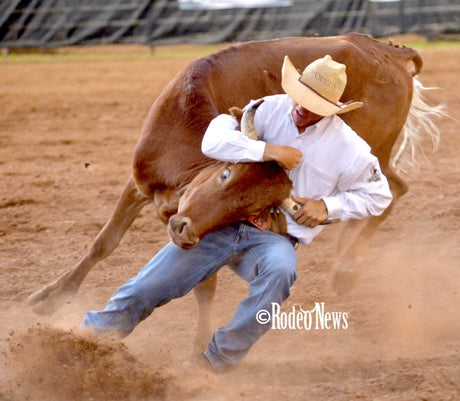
(320, 86)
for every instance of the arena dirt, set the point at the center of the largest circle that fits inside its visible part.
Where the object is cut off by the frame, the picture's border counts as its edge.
(67, 132)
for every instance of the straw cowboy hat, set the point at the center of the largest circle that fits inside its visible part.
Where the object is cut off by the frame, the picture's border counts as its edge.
(320, 86)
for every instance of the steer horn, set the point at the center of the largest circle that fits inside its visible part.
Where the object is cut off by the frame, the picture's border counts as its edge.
(247, 128)
(247, 120)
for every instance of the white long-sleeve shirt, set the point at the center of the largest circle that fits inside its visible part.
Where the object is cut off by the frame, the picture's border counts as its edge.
(336, 166)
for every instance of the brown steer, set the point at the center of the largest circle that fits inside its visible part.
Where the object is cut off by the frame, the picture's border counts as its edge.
(168, 155)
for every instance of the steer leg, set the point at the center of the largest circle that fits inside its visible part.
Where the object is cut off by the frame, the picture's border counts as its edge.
(204, 295)
(51, 297)
(355, 238)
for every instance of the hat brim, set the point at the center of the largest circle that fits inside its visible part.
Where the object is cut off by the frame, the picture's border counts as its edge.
(307, 97)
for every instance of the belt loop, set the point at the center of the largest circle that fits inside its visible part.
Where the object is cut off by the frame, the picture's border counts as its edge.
(243, 230)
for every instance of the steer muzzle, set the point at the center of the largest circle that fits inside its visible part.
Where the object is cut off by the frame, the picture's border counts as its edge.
(181, 232)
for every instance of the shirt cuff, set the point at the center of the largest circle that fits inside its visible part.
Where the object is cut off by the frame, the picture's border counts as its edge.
(256, 151)
(334, 207)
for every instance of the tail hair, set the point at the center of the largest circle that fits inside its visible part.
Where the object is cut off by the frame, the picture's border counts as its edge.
(419, 124)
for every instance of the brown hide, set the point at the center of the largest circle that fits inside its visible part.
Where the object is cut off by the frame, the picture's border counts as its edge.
(168, 152)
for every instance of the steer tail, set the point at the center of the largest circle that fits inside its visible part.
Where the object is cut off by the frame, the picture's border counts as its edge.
(418, 64)
(411, 56)
(419, 124)
(420, 119)
(417, 61)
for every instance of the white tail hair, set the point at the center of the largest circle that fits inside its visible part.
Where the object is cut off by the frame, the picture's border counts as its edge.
(419, 124)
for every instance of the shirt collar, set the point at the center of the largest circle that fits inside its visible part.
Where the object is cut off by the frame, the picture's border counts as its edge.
(312, 128)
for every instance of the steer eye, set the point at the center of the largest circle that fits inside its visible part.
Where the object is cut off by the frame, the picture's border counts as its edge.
(225, 174)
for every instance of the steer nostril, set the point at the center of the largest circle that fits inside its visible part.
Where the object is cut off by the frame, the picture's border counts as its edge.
(180, 227)
(181, 232)
(178, 224)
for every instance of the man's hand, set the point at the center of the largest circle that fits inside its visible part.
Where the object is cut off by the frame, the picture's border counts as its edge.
(286, 156)
(312, 212)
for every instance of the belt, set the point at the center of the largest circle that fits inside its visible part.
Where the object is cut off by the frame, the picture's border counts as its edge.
(293, 240)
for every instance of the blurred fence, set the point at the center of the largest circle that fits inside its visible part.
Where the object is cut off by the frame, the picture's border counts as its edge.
(52, 23)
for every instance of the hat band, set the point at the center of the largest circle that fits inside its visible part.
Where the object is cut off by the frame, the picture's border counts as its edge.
(320, 95)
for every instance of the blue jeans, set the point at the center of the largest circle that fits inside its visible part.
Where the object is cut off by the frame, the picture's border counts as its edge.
(266, 260)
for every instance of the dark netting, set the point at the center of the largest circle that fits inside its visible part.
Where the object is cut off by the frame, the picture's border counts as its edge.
(51, 23)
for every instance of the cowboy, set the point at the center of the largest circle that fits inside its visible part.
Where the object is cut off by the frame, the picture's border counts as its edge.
(334, 176)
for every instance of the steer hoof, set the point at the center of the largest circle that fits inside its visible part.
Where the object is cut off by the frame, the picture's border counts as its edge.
(201, 341)
(197, 362)
(47, 300)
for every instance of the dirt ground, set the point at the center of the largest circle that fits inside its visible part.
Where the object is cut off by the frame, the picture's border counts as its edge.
(68, 127)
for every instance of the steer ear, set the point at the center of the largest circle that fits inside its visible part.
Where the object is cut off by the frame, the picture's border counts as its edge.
(236, 112)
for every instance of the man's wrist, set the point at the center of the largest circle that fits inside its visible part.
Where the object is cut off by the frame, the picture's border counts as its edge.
(269, 152)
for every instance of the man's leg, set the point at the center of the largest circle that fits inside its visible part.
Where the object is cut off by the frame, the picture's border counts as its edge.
(172, 273)
(268, 262)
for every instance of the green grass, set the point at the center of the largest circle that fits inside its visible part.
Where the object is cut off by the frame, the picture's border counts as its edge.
(94, 53)
(422, 43)
(434, 45)
(44, 58)
(141, 53)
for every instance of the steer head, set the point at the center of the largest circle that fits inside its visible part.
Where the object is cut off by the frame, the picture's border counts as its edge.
(226, 193)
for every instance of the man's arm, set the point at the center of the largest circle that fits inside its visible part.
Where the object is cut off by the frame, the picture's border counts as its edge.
(369, 196)
(363, 191)
(223, 141)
